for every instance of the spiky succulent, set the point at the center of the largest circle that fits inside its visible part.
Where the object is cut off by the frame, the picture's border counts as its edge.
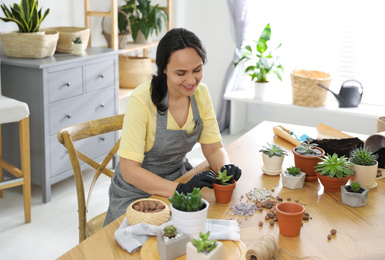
(334, 166)
(363, 157)
(293, 170)
(355, 186)
(273, 150)
(169, 231)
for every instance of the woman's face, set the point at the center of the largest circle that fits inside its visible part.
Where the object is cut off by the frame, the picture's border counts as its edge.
(184, 72)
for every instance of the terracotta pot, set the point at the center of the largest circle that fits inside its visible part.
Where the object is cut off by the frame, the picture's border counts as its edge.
(365, 175)
(290, 215)
(354, 199)
(307, 164)
(223, 193)
(332, 184)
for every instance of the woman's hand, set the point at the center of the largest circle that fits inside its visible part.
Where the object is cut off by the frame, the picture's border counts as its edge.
(200, 180)
(232, 170)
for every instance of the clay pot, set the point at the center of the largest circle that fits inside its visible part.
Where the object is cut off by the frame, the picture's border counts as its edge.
(332, 184)
(223, 193)
(365, 175)
(290, 215)
(307, 164)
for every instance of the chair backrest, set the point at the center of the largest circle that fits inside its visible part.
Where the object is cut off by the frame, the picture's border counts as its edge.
(68, 136)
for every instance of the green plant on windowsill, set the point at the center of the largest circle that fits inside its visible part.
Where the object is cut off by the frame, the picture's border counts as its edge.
(273, 150)
(203, 243)
(223, 178)
(334, 166)
(364, 157)
(26, 15)
(262, 62)
(190, 202)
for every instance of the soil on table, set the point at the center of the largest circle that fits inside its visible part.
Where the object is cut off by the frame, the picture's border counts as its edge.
(381, 157)
(349, 189)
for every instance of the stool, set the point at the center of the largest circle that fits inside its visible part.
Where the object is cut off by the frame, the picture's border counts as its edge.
(11, 111)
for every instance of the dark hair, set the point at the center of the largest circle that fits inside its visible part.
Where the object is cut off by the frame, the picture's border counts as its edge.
(173, 40)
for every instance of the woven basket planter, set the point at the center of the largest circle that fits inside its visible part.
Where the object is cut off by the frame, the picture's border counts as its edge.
(306, 92)
(134, 71)
(67, 35)
(154, 218)
(29, 45)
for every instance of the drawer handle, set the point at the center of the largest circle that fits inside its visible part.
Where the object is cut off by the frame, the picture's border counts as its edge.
(101, 76)
(68, 116)
(68, 84)
(101, 139)
(101, 105)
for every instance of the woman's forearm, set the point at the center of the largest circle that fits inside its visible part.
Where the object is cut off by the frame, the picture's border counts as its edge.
(216, 155)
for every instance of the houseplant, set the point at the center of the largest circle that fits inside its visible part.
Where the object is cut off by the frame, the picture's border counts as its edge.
(290, 215)
(224, 188)
(365, 166)
(334, 171)
(293, 178)
(204, 248)
(124, 30)
(260, 62)
(306, 157)
(78, 47)
(272, 157)
(189, 212)
(145, 19)
(28, 42)
(171, 243)
(354, 195)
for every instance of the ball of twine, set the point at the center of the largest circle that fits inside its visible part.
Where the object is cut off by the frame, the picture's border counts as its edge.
(265, 249)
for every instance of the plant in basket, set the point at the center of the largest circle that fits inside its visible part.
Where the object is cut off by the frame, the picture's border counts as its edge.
(204, 248)
(224, 188)
(354, 194)
(334, 171)
(365, 166)
(272, 157)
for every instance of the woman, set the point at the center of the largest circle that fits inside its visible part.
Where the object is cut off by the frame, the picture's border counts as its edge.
(165, 118)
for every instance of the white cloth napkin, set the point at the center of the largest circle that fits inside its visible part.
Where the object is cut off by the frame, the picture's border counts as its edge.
(131, 238)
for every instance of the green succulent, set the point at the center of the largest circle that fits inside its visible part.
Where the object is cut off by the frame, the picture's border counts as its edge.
(77, 40)
(169, 231)
(308, 148)
(187, 202)
(364, 157)
(203, 243)
(355, 186)
(334, 166)
(273, 150)
(25, 15)
(293, 170)
(223, 178)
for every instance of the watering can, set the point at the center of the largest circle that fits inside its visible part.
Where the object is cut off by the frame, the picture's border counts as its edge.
(349, 96)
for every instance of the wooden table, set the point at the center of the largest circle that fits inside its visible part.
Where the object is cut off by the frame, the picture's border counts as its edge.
(360, 231)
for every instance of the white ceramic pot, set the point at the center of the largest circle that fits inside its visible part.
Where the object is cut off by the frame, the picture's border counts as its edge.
(365, 175)
(260, 89)
(272, 164)
(78, 49)
(141, 39)
(190, 223)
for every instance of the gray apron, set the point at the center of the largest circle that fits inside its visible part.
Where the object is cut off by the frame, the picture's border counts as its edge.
(167, 159)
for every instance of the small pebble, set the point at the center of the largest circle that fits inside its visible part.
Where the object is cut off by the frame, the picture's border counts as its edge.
(297, 201)
(329, 236)
(260, 223)
(272, 223)
(333, 231)
(288, 199)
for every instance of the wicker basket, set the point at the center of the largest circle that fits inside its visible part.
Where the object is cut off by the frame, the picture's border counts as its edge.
(67, 35)
(134, 71)
(158, 218)
(381, 124)
(123, 37)
(306, 92)
(29, 45)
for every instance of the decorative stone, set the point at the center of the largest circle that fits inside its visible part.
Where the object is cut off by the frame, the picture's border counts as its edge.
(354, 199)
(293, 182)
(169, 249)
(215, 254)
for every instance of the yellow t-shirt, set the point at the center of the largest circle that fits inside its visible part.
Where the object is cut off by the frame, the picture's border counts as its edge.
(139, 127)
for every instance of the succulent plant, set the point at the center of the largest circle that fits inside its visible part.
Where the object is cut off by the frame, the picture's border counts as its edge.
(308, 148)
(223, 178)
(334, 166)
(364, 157)
(203, 243)
(187, 202)
(77, 40)
(293, 170)
(273, 150)
(355, 186)
(169, 231)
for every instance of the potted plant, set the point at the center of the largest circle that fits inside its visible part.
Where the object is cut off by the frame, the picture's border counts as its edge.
(189, 212)
(262, 63)
(171, 243)
(293, 178)
(203, 248)
(224, 188)
(145, 19)
(124, 30)
(365, 167)
(290, 215)
(354, 195)
(272, 157)
(31, 43)
(306, 157)
(334, 171)
(78, 47)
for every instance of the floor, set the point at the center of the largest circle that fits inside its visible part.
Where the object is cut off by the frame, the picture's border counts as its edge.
(54, 227)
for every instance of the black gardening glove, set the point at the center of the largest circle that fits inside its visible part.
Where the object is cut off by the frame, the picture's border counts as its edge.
(232, 170)
(200, 180)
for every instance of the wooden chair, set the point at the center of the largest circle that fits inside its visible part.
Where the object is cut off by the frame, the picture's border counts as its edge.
(68, 136)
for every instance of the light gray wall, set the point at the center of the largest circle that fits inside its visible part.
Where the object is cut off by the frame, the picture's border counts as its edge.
(214, 28)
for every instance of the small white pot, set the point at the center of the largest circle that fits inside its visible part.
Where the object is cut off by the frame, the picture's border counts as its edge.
(215, 254)
(365, 175)
(190, 223)
(260, 89)
(293, 182)
(272, 164)
(78, 49)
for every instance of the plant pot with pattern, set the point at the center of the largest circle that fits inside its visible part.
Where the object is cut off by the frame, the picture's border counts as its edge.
(354, 195)
(272, 157)
(189, 212)
(171, 243)
(306, 157)
(365, 167)
(224, 188)
(334, 172)
(203, 248)
(293, 178)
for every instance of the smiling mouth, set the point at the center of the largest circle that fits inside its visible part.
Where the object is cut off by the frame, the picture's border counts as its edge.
(189, 87)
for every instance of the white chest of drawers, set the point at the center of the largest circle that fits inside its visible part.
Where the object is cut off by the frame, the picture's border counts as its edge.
(61, 90)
